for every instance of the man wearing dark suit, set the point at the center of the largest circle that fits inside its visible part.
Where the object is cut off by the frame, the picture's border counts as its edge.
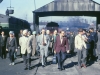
(88, 44)
(94, 43)
(61, 46)
(3, 44)
(71, 41)
(11, 46)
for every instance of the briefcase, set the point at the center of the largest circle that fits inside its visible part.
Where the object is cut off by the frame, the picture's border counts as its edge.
(54, 60)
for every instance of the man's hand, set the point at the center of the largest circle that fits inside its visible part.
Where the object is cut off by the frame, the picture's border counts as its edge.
(68, 51)
(6, 49)
(16, 50)
(54, 51)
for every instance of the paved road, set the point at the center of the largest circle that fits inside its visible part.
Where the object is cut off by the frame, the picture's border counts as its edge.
(50, 69)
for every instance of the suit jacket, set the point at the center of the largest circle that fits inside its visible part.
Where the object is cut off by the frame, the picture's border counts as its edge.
(11, 43)
(88, 43)
(61, 47)
(40, 40)
(32, 44)
(3, 40)
(94, 36)
(23, 42)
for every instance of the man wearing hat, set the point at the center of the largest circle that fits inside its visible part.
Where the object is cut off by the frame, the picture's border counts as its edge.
(42, 42)
(25, 51)
(11, 46)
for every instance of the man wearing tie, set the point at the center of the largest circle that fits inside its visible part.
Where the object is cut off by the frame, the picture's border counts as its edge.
(43, 47)
(61, 46)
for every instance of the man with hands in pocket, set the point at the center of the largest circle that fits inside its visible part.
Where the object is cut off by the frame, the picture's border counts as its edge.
(11, 47)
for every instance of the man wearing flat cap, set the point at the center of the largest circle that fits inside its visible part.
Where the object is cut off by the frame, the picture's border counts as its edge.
(11, 46)
(26, 53)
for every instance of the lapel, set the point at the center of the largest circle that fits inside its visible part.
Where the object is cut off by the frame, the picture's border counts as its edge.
(10, 40)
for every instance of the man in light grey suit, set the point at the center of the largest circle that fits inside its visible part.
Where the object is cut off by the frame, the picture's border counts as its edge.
(25, 51)
(43, 46)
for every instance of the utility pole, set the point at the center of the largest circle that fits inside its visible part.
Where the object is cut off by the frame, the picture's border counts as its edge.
(35, 4)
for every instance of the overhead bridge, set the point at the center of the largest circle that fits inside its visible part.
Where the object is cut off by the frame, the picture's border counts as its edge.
(67, 8)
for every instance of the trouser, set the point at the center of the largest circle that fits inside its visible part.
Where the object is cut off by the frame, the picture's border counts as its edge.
(91, 54)
(71, 47)
(15, 55)
(20, 51)
(98, 56)
(11, 55)
(44, 54)
(61, 56)
(27, 59)
(53, 48)
(3, 52)
(82, 56)
(88, 54)
(92, 50)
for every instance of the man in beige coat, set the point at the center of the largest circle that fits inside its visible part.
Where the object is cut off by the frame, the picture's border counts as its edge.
(25, 51)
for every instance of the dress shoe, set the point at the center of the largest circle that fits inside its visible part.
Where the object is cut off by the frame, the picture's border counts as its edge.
(13, 63)
(29, 68)
(25, 68)
(43, 66)
(60, 69)
(63, 68)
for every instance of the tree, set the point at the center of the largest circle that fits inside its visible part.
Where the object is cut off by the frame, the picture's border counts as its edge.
(1, 1)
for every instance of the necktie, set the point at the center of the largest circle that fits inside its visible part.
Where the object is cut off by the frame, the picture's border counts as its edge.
(43, 39)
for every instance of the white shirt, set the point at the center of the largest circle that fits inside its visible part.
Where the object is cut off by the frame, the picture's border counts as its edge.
(79, 42)
(61, 39)
(45, 40)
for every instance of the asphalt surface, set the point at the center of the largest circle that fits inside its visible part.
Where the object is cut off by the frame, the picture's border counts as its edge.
(71, 67)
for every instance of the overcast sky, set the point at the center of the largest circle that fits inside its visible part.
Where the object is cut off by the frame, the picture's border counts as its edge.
(23, 8)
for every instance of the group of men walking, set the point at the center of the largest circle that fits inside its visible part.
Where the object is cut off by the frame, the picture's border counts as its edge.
(85, 42)
(86, 46)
